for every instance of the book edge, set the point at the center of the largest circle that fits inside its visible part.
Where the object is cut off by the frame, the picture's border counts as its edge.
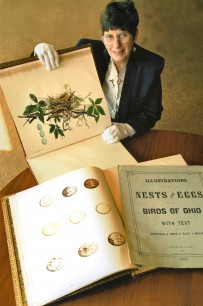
(18, 284)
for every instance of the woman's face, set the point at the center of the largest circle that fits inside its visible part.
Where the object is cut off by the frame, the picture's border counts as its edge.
(119, 45)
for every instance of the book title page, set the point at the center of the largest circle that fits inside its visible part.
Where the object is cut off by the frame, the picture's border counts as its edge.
(163, 211)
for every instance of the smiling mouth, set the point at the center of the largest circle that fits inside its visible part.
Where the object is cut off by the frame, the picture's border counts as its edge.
(118, 52)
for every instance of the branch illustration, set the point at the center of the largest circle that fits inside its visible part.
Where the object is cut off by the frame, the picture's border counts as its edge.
(58, 111)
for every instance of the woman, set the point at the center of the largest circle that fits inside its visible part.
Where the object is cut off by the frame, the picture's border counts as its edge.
(129, 74)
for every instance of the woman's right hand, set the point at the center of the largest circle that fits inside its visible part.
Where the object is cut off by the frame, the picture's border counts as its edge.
(48, 55)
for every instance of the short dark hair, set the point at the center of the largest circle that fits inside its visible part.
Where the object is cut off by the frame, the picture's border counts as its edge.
(120, 15)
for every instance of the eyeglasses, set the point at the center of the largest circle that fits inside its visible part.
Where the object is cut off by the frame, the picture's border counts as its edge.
(108, 39)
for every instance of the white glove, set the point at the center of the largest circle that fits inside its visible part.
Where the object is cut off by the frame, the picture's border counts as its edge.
(48, 55)
(116, 132)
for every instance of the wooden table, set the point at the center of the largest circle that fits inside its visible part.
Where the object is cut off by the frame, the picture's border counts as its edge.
(164, 287)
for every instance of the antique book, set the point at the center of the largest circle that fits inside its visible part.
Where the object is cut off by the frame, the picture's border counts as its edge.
(60, 114)
(69, 234)
(64, 236)
(162, 213)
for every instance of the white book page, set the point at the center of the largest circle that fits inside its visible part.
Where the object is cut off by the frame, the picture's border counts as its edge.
(82, 234)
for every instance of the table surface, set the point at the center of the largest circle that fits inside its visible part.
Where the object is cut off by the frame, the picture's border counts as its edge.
(163, 287)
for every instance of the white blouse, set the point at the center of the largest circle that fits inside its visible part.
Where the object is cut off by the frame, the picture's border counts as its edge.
(112, 87)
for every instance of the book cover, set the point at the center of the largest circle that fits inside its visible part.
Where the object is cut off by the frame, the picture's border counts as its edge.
(163, 208)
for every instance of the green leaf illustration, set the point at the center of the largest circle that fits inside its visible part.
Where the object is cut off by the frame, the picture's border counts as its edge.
(100, 110)
(58, 111)
(61, 132)
(90, 111)
(33, 98)
(98, 101)
(52, 128)
(91, 100)
(41, 115)
(30, 109)
(56, 134)
(42, 103)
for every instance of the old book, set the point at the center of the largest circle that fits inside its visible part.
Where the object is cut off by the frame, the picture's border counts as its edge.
(162, 213)
(60, 114)
(64, 236)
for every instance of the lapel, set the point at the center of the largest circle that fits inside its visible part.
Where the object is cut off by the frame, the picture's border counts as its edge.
(104, 65)
(101, 58)
(131, 72)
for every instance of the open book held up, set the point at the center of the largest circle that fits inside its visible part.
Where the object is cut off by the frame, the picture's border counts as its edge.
(60, 114)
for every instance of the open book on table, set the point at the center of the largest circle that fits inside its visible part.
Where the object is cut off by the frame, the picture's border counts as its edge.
(67, 235)
(64, 236)
(60, 114)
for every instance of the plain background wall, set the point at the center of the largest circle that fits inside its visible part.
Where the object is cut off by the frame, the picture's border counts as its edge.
(169, 27)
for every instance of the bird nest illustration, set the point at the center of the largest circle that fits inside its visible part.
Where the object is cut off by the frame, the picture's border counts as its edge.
(59, 110)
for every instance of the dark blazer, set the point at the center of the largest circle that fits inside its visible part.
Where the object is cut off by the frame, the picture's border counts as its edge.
(141, 98)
